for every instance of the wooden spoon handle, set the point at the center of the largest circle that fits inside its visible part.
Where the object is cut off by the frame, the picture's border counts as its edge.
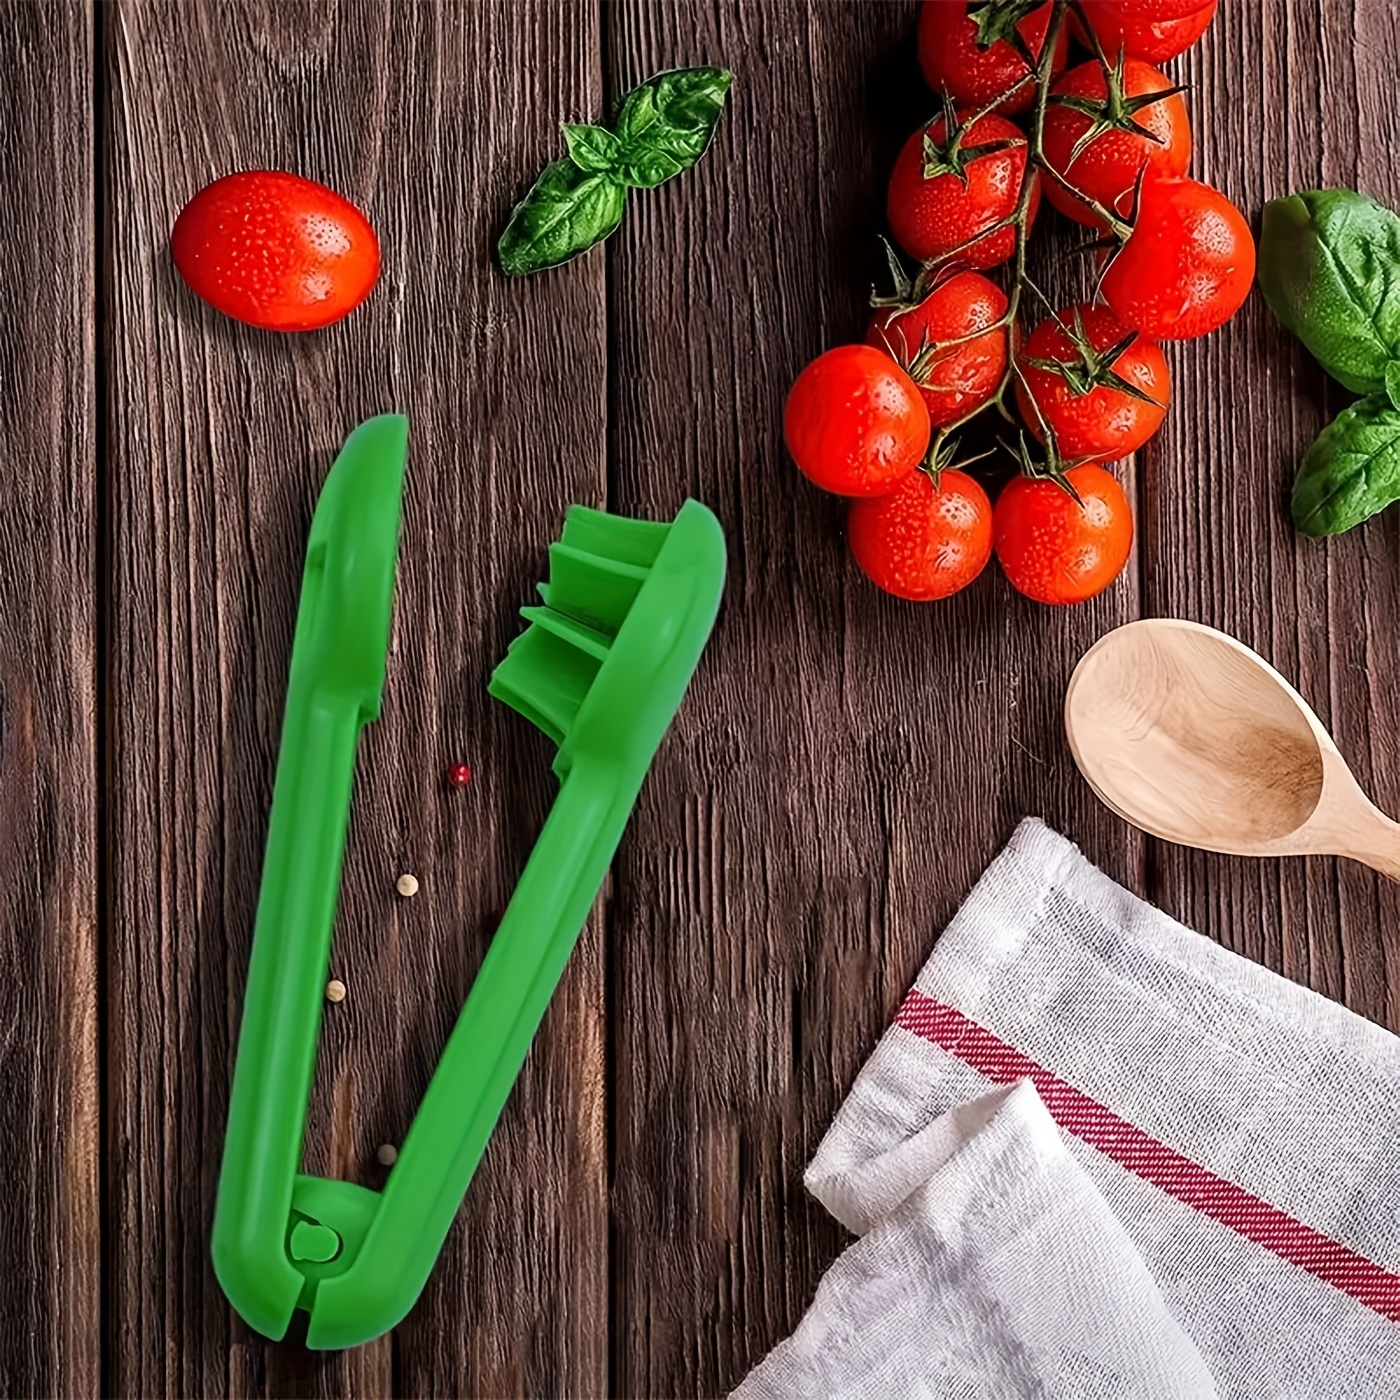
(1376, 844)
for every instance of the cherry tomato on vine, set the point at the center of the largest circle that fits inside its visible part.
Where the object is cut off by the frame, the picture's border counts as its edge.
(1155, 11)
(1130, 27)
(926, 539)
(971, 57)
(954, 379)
(1188, 265)
(1058, 550)
(275, 250)
(1091, 401)
(945, 190)
(855, 423)
(1130, 126)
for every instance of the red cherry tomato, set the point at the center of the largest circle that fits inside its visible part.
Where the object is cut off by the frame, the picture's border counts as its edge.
(855, 422)
(934, 215)
(275, 250)
(1128, 27)
(1059, 550)
(1107, 168)
(923, 541)
(1155, 11)
(1187, 267)
(956, 378)
(974, 61)
(1089, 416)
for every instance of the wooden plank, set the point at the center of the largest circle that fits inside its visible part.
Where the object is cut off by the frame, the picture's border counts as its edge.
(1248, 401)
(49, 1107)
(432, 118)
(845, 765)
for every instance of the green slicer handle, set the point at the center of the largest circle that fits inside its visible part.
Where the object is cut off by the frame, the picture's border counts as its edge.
(602, 669)
(474, 1076)
(333, 690)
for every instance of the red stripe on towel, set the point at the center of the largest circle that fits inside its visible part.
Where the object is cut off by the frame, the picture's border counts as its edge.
(1141, 1154)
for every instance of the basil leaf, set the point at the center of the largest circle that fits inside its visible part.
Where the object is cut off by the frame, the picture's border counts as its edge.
(1329, 267)
(1352, 469)
(591, 148)
(1392, 383)
(567, 211)
(664, 125)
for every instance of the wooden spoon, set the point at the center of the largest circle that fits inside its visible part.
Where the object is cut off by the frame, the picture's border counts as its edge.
(1193, 737)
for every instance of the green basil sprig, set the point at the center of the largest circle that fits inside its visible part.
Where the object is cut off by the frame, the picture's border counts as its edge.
(662, 128)
(1351, 471)
(1329, 267)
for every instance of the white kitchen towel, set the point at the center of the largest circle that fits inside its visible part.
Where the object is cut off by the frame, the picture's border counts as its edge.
(990, 1266)
(1243, 1132)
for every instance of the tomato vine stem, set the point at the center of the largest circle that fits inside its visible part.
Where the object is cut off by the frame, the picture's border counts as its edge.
(1043, 75)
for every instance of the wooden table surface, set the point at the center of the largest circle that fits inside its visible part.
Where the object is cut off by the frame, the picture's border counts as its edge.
(842, 770)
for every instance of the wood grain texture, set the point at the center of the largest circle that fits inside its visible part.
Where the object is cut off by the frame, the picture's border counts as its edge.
(1248, 401)
(842, 771)
(49, 1103)
(219, 439)
(845, 765)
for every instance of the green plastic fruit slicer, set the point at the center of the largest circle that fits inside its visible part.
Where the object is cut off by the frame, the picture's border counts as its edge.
(601, 669)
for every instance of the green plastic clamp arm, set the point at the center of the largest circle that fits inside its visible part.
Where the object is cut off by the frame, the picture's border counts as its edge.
(355, 1259)
(480, 1063)
(333, 689)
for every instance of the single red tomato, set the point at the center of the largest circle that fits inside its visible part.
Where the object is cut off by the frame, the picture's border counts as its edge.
(1130, 127)
(1188, 265)
(855, 422)
(954, 379)
(275, 250)
(1131, 28)
(1079, 369)
(1155, 11)
(972, 58)
(943, 194)
(1059, 550)
(925, 540)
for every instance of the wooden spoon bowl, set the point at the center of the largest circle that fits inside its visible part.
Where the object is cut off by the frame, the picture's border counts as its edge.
(1190, 735)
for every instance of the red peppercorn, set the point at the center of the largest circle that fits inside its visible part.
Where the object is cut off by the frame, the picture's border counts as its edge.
(459, 775)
